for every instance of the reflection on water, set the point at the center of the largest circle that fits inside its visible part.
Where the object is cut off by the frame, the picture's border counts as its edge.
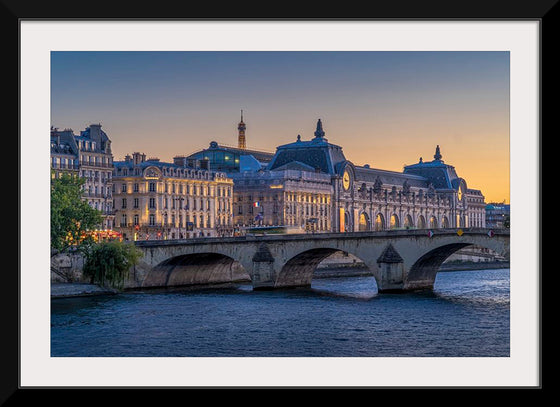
(467, 314)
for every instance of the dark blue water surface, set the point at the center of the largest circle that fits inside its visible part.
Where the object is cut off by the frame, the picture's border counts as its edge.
(467, 314)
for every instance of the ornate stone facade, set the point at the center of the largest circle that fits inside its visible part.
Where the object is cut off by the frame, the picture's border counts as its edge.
(426, 195)
(292, 195)
(158, 200)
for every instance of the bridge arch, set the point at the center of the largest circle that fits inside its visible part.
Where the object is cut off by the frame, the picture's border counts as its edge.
(195, 269)
(427, 266)
(398, 259)
(299, 269)
(423, 271)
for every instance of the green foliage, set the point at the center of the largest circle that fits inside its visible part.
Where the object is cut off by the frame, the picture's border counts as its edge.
(71, 217)
(506, 222)
(108, 263)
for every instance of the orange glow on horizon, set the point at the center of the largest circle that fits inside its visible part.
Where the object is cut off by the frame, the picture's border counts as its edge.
(484, 167)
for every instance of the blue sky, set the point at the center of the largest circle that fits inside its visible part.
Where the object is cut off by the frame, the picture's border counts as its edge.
(385, 109)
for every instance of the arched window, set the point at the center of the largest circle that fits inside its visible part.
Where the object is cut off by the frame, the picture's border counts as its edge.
(347, 222)
(421, 222)
(379, 222)
(444, 222)
(433, 222)
(408, 222)
(394, 221)
(364, 222)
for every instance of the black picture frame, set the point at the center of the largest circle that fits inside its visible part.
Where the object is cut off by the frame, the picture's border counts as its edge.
(14, 11)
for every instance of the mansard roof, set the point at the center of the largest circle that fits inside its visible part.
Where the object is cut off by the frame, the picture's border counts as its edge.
(295, 165)
(441, 175)
(317, 153)
(387, 177)
(63, 142)
(93, 132)
(262, 156)
(166, 167)
(145, 164)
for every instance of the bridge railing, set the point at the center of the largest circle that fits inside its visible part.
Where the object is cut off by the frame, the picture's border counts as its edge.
(329, 235)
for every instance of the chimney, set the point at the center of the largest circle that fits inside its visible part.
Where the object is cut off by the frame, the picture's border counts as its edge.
(95, 132)
(138, 158)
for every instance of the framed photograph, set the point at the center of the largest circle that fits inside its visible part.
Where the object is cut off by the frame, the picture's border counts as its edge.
(403, 129)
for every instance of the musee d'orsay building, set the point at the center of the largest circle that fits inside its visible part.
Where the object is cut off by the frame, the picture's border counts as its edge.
(312, 183)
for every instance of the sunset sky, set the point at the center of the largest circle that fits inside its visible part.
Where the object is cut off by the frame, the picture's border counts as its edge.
(386, 109)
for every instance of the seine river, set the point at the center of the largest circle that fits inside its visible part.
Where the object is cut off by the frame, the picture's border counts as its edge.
(467, 314)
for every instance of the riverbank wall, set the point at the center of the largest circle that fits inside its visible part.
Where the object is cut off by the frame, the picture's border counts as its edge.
(473, 265)
(66, 290)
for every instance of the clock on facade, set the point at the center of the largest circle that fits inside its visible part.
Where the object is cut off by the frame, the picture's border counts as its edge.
(346, 180)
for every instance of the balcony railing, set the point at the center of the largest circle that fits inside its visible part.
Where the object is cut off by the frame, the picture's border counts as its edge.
(65, 166)
(94, 164)
(87, 194)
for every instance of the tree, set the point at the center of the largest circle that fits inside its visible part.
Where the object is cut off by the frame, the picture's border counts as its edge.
(71, 217)
(108, 263)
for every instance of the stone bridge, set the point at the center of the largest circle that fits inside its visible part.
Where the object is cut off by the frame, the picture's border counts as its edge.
(400, 260)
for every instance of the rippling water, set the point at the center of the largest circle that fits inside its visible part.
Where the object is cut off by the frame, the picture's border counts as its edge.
(467, 314)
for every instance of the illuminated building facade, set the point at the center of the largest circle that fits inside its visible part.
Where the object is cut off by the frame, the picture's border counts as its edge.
(425, 195)
(292, 195)
(179, 200)
(89, 156)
